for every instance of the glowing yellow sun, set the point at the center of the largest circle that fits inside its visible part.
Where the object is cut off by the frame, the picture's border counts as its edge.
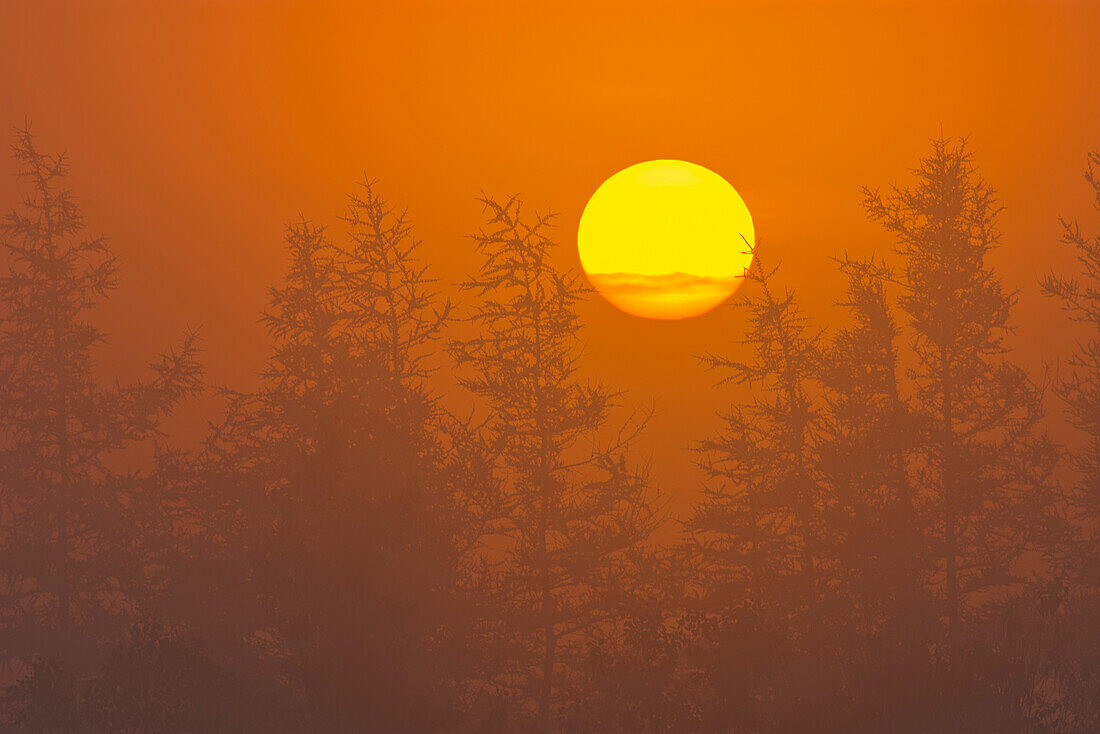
(665, 239)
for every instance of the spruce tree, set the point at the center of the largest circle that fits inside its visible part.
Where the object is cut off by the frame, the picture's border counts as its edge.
(1076, 657)
(74, 564)
(985, 463)
(1079, 389)
(759, 534)
(758, 527)
(884, 618)
(982, 463)
(574, 514)
(350, 473)
(866, 441)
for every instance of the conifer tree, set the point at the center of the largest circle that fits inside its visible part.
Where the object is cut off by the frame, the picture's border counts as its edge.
(354, 468)
(1080, 388)
(73, 566)
(866, 441)
(984, 464)
(574, 515)
(1076, 659)
(884, 616)
(758, 528)
(395, 310)
(762, 549)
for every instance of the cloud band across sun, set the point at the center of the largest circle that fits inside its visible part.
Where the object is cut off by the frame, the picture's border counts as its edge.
(667, 296)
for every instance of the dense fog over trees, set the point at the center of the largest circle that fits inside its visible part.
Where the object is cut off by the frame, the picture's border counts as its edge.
(888, 539)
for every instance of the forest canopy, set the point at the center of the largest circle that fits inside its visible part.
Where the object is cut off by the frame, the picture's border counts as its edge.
(429, 514)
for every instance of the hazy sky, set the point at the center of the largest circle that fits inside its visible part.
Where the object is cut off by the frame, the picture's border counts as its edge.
(196, 130)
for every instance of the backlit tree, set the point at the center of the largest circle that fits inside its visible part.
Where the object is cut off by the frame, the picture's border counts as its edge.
(575, 515)
(73, 566)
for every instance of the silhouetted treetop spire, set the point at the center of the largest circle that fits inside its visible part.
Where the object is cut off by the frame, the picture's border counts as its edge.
(574, 514)
(60, 426)
(399, 310)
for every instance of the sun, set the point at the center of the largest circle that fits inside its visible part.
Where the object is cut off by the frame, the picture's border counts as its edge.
(665, 239)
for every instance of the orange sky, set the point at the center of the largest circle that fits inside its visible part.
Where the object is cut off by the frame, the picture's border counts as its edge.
(196, 130)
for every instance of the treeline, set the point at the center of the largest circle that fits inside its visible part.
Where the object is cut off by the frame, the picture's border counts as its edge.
(889, 541)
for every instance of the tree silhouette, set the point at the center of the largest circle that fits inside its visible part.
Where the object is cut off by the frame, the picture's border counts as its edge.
(574, 515)
(342, 449)
(758, 532)
(758, 526)
(885, 616)
(1080, 389)
(984, 465)
(395, 311)
(73, 568)
(1077, 658)
(866, 440)
(643, 672)
(878, 545)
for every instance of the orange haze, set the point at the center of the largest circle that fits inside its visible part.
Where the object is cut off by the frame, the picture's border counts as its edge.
(196, 130)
